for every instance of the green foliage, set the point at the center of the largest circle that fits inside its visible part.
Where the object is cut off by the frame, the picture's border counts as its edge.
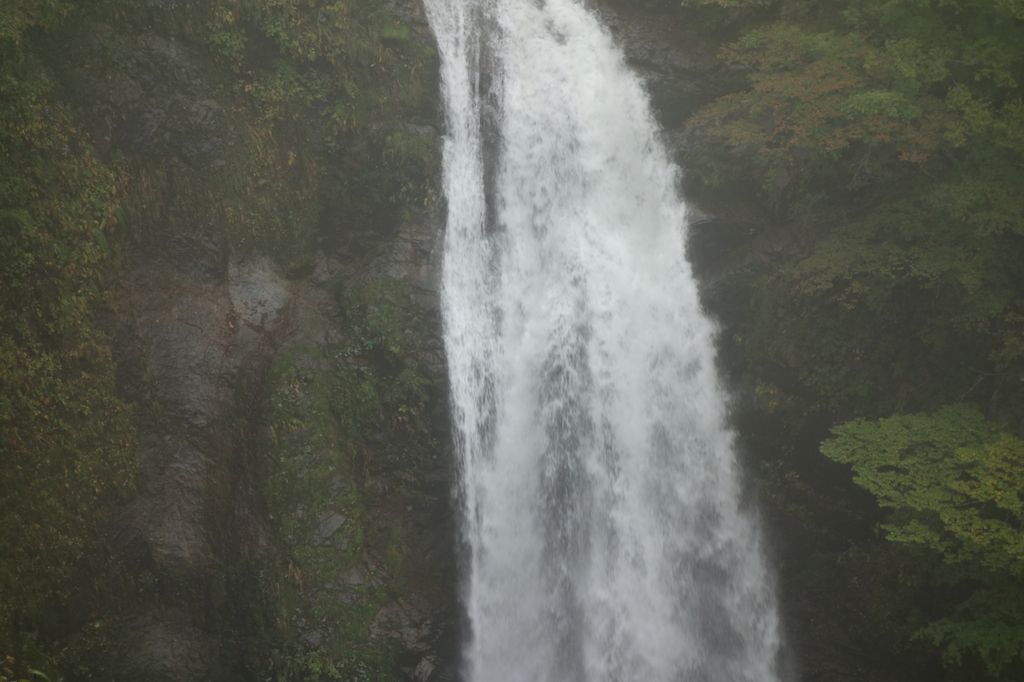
(881, 90)
(314, 139)
(343, 449)
(881, 302)
(953, 471)
(953, 481)
(887, 138)
(7, 673)
(262, 199)
(313, 135)
(381, 182)
(813, 111)
(19, 15)
(65, 437)
(353, 73)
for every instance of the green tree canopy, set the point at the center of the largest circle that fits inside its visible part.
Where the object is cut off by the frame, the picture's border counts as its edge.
(952, 480)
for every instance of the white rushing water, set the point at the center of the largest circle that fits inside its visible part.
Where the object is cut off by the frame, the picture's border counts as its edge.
(602, 519)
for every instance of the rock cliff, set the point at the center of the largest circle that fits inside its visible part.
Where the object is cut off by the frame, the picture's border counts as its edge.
(280, 346)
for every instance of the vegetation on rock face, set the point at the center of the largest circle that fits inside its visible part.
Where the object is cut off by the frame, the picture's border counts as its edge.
(311, 131)
(65, 437)
(204, 132)
(348, 76)
(888, 139)
(345, 448)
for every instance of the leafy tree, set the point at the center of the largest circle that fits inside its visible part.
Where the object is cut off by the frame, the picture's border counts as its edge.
(952, 479)
(850, 95)
(888, 135)
(896, 310)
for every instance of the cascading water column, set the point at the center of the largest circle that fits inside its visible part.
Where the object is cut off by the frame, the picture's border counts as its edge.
(598, 481)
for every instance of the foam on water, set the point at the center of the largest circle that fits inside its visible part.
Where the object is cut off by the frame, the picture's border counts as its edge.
(598, 480)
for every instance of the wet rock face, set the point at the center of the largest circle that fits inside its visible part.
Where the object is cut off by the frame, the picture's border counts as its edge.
(198, 514)
(242, 505)
(202, 513)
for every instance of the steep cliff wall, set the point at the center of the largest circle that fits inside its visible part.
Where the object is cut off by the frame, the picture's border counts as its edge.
(272, 318)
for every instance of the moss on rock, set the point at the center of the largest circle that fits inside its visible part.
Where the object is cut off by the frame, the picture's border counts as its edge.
(345, 447)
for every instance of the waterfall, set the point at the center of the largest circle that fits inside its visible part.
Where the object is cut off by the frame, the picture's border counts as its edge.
(598, 483)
